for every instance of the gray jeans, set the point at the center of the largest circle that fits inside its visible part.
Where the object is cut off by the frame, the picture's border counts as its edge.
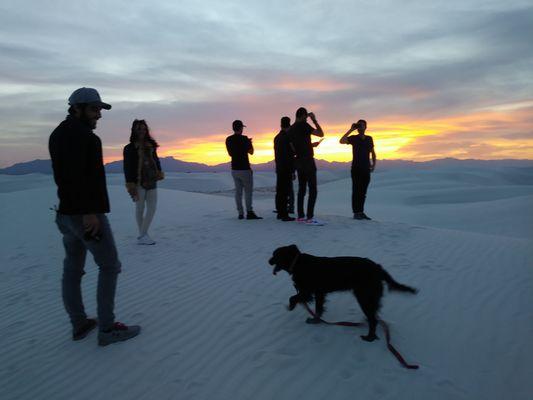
(105, 256)
(243, 179)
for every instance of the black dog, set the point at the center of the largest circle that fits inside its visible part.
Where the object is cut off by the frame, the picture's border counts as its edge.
(318, 276)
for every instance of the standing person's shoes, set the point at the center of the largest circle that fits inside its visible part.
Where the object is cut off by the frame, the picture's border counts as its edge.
(286, 218)
(241, 216)
(361, 216)
(313, 222)
(84, 329)
(145, 240)
(118, 333)
(301, 219)
(252, 215)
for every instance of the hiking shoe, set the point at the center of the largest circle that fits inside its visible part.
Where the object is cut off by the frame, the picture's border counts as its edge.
(313, 222)
(252, 215)
(84, 329)
(145, 240)
(287, 219)
(241, 216)
(364, 216)
(118, 333)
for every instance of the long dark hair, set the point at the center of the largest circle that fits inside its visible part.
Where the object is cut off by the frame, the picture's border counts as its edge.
(147, 138)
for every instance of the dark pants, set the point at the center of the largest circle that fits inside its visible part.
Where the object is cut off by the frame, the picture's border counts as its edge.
(306, 177)
(283, 189)
(360, 181)
(291, 197)
(105, 256)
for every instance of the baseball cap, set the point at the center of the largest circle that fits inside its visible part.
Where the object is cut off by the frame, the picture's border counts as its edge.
(89, 96)
(237, 124)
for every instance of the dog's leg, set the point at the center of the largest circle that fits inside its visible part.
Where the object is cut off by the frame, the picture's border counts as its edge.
(369, 302)
(319, 308)
(293, 302)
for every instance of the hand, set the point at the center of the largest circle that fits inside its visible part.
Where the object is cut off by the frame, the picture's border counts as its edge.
(354, 127)
(312, 116)
(91, 224)
(132, 190)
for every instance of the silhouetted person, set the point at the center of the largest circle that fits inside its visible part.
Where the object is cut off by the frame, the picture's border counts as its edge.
(300, 139)
(362, 148)
(79, 173)
(239, 146)
(284, 158)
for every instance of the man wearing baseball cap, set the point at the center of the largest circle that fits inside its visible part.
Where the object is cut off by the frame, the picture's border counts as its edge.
(79, 174)
(238, 147)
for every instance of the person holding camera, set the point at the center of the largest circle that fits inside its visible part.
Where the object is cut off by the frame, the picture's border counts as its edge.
(300, 139)
(79, 174)
(238, 147)
(142, 170)
(362, 166)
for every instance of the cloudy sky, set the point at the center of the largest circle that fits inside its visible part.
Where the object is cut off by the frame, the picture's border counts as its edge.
(446, 80)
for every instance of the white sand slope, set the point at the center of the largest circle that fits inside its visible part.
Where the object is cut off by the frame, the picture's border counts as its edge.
(215, 324)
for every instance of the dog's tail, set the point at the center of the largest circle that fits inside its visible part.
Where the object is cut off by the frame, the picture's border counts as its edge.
(393, 285)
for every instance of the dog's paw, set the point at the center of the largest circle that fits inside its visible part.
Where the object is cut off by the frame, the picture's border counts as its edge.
(313, 320)
(369, 338)
(291, 306)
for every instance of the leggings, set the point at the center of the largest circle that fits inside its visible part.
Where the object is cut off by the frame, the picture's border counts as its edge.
(148, 199)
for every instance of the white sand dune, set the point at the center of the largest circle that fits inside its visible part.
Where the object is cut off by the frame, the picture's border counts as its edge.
(215, 325)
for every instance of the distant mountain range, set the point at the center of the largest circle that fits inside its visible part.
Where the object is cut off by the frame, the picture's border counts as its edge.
(170, 164)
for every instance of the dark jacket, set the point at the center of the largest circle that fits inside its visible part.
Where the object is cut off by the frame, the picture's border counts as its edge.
(283, 153)
(78, 167)
(131, 163)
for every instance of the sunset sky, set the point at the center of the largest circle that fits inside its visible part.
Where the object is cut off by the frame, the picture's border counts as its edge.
(447, 80)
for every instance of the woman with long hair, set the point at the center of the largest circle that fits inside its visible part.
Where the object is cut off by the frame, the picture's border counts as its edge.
(142, 170)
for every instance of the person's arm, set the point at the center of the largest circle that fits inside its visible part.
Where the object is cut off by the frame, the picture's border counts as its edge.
(160, 173)
(228, 148)
(373, 153)
(315, 144)
(130, 171)
(250, 146)
(318, 129)
(344, 139)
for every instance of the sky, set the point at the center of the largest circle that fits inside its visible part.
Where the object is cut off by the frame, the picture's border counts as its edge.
(433, 79)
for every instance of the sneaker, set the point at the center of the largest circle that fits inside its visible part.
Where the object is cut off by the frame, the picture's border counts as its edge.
(241, 216)
(313, 222)
(252, 215)
(364, 216)
(287, 219)
(145, 240)
(118, 333)
(301, 219)
(84, 329)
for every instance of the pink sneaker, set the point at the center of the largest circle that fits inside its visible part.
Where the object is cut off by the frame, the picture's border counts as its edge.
(301, 219)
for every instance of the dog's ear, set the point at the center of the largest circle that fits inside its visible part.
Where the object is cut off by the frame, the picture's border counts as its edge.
(293, 247)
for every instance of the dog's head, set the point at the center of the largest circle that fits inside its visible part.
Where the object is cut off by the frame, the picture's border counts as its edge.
(283, 257)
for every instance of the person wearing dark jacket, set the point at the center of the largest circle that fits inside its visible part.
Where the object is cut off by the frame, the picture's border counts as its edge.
(142, 170)
(79, 174)
(284, 158)
(238, 147)
(300, 138)
(362, 148)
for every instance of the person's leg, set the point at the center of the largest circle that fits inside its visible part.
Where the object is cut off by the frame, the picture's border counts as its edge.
(151, 205)
(302, 188)
(73, 270)
(365, 181)
(248, 183)
(358, 183)
(279, 194)
(105, 256)
(291, 195)
(238, 191)
(354, 192)
(312, 192)
(139, 208)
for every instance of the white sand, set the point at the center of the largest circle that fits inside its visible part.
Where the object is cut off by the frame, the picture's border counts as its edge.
(214, 320)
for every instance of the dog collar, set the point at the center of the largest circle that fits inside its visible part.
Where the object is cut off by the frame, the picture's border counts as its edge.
(293, 263)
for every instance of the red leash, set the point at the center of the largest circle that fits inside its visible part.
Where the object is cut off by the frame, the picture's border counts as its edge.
(385, 328)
